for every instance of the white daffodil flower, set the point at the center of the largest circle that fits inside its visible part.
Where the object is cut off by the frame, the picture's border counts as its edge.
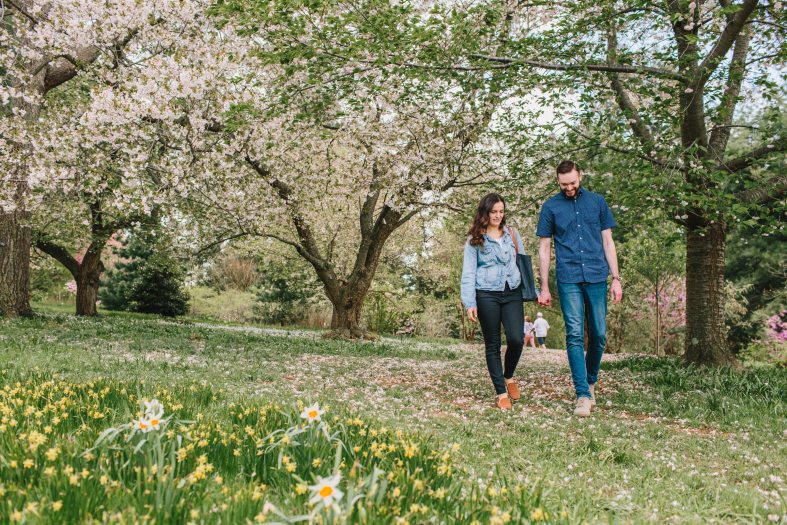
(312, 413)
(326, 490)
(154, 423)
(143, 425)
(154, 409)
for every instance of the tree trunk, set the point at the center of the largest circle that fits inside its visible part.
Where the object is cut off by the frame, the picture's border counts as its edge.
(346, 317)
(87, 279)
(706, 342)
(15, 264)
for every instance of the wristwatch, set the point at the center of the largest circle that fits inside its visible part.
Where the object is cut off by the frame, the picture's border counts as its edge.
(617, 278)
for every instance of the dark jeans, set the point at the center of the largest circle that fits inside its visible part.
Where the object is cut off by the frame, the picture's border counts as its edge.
(494, 308)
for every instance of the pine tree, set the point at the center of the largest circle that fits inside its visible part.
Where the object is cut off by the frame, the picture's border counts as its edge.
(148, 280)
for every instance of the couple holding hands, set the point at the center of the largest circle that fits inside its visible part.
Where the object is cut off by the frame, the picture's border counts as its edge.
(581, 223)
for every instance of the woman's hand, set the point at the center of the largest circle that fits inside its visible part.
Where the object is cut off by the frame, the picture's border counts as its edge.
(472, 314)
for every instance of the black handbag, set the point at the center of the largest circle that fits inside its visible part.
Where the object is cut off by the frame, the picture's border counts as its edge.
(525, 265)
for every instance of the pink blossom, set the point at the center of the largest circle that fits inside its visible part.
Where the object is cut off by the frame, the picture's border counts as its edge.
(777, 326)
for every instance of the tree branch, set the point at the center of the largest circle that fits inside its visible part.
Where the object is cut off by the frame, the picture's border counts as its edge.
(66, 67)
(19, 8)
(614, 68)
(623, 96)
(208, 247)
(308, 246)
(370, 203)
(618, 149)
(764, 195)
(406, 217)
(721, 134)
(747, 159)
(726, 40)
(764, 57)
(45, 63)
(59, 253)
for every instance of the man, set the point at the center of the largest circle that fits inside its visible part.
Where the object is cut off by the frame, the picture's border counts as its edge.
(581, 223)
(542, 326)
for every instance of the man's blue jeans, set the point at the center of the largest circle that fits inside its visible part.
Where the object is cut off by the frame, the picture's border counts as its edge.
(577, 299)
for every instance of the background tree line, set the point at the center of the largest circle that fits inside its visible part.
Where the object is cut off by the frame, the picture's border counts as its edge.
(331, 127)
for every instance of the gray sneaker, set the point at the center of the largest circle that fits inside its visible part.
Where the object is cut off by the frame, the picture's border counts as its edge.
(583, 407)
(592, 394)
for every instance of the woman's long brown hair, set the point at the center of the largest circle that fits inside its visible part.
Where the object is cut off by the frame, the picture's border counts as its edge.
(481, 221)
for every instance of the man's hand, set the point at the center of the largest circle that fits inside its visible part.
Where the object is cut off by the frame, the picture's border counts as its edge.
(545, 298)
(616, 291)
(472, 314)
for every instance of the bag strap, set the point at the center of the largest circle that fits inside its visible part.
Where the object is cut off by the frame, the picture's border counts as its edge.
(511, 231)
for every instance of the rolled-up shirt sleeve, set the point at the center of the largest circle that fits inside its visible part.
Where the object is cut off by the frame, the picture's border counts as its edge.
(606, 219)
(546, 223)
(469, 267)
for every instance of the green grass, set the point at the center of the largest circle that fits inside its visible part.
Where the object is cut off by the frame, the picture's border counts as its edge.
(667, 443)
(755, 398)
(218, 462)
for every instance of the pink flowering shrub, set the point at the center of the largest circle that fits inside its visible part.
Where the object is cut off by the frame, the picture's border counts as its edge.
(672, 306)
(71, 287)
(777, 326)
(672, 303)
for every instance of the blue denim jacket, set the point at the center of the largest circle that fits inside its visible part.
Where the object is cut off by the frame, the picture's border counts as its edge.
(490, 267)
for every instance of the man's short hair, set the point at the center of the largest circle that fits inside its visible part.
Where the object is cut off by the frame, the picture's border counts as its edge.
(567, 166)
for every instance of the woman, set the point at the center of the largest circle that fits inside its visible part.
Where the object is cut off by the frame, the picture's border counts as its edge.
(529, 331)
(491, 294)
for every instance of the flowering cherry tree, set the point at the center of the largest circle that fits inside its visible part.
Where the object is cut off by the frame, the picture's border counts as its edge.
(259, 144)
(45, 48)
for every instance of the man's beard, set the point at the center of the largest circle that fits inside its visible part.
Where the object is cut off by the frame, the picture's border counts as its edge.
(570, 196)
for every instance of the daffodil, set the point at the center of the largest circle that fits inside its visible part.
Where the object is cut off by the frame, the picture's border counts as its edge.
(326, 490)
(142, 424)
(154, 423)
(312, 413)
(538, 514)
(154, 409)
(36, 439)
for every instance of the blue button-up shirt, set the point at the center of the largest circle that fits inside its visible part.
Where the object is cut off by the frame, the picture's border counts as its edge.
(490, 267)
(576, 225)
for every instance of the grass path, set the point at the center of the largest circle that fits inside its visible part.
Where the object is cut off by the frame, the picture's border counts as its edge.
(665, 444)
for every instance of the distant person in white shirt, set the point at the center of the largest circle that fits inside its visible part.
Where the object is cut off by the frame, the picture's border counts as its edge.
(542, 326)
